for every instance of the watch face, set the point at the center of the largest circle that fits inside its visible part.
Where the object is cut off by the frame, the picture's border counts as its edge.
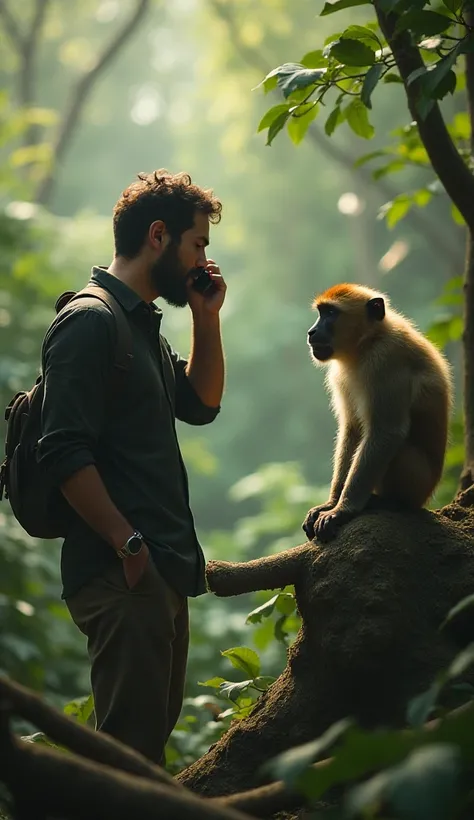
(134, 544)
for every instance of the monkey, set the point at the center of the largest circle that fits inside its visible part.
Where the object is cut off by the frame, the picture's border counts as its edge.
(391, 392)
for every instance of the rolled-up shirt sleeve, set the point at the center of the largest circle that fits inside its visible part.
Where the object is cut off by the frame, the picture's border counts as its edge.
(77, 363)
(188, 406)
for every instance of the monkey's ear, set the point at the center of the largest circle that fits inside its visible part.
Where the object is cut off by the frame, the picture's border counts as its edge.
(376, 308)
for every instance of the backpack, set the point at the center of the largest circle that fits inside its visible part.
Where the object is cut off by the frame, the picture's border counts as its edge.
(42, 510)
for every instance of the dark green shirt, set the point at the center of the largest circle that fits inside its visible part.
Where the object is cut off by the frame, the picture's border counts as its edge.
(130, 436)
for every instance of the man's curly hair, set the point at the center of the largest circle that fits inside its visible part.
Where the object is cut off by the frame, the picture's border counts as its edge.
(173, 198)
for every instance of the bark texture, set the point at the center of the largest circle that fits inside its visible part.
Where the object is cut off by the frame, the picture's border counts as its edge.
(371, 604)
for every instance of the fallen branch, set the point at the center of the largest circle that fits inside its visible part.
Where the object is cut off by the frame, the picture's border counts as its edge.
(69, 786)
(65, 731)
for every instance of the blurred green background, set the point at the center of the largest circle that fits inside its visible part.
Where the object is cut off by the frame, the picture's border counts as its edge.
(179, 92)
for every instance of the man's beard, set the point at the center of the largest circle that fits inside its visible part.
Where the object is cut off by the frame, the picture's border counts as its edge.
(169, 277)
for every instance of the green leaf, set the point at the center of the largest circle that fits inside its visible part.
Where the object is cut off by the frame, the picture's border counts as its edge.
(391, 167)
(263, 682)
(445, 330)
(435, 81)
(269, 83)
(244, 658)
(277, 126)
(363, 33)
(271, 115)
(447, 85)
(457, 215)
(371, 79)
(422, 22)
(293, 76)
(288, 766)
(421, 706)
(466, 603)
(461, 127)
(81, 709)
(357, 117)
(40, 116)
(266, 609)
(382, 152)
(453, 5)
(363, 752)
(302, 78)
(214, 682)
(263, 611)
(352, 52)
(388, 5)
(423, 787)
(330, 8)
(314, 59)
(422, 197)
(286, 603)
(300, 121)
(392, 78)
(395, 210)
(335, 118)
(461, 662)
(31, 154)
(233, 690)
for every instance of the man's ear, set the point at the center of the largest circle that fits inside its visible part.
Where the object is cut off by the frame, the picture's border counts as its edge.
(376, 308)
(156, 234)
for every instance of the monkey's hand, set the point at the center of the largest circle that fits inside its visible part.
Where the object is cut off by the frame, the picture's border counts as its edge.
(329, 522)
(313, 515)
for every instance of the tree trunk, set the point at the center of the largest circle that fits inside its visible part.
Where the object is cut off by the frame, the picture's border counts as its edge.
(467, 477)
(371, 604)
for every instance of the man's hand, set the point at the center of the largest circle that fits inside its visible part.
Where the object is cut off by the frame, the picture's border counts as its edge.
(211, 302)
(134, 566)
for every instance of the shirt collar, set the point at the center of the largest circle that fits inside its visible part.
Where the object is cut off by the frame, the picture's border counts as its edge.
(125, 295)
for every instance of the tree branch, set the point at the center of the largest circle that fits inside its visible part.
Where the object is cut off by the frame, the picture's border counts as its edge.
(225, 578)
(11, 26)
(80, 95)
(445, 159)
(331, 149)
(71, 787)
(64, 731)
(28, 52)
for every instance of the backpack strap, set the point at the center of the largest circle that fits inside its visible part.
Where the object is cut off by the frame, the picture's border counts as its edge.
(124, 345)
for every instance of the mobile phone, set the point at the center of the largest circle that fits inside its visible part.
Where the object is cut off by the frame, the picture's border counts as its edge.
(203, 282)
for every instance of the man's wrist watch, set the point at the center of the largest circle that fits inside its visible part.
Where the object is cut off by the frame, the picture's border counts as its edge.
(132, 545)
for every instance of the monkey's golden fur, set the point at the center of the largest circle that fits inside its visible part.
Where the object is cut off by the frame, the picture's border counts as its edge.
(391, 392)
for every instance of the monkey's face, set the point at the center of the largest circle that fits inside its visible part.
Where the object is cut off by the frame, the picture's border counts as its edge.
(341, 329)
(321, 334)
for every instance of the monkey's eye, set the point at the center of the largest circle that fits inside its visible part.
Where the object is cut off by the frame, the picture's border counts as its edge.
(328, 310)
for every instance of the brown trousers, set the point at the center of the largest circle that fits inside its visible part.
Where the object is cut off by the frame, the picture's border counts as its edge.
(137, 641)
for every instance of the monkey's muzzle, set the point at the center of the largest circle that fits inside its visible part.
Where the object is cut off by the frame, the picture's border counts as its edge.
(321, 351)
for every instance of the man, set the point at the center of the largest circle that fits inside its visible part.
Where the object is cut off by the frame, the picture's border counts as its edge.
(131, 556)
